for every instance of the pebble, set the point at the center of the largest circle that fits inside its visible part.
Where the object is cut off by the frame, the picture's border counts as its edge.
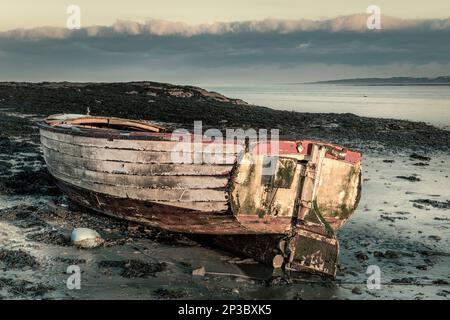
(200, 272)
(434, 237)
(356, 290)
(86, 238)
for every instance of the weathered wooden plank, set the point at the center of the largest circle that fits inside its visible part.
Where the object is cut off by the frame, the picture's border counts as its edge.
(142, 169)
(162, 215)
(164, 195)
(139, 125)
(143, 145)
(162, 182)
(133, 155)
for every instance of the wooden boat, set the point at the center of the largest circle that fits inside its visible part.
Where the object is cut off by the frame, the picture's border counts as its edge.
(295, 200)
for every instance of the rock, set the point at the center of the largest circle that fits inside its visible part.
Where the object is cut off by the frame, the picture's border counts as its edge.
(419, 157)
(409, 178)
(200, 272)
(86, 238)
(278, 261)
(433, 203)
(407, 280)
(443, 293)
(422, 267)
(378, 254)
(356, 290)
(180, 93)
(391, 254)
(392, 219)
(421, 164)
(434, 237)
(361, 256)
(429, 262)
(441, 219)
(440, 282)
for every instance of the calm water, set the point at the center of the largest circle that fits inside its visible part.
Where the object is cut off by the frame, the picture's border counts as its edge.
(417, 103)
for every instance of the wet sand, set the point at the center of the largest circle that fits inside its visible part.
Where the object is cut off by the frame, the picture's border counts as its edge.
(401, 225)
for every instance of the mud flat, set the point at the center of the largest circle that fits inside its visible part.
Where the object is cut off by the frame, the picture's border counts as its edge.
(401, 225)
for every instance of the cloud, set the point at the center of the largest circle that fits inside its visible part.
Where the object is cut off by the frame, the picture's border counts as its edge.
(353, 23)
(267, 50)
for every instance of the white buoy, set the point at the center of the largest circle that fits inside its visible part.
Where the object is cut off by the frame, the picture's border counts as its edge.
(86, 238)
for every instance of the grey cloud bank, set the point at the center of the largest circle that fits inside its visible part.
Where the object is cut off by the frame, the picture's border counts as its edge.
(355, 23)
(267, 51)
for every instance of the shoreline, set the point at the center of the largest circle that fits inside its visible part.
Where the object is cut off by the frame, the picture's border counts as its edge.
(182, 105)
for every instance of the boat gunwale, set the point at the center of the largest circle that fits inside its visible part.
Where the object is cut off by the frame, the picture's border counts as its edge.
(103, 134)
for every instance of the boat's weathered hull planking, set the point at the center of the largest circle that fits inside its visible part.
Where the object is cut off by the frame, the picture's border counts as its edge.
(124, 173)
(162, 215)
(144, 145)
(336, 197)
(141, 169)
(200, 199)
(136, 181)
(339, 192)
(134, 156)
(254, 190)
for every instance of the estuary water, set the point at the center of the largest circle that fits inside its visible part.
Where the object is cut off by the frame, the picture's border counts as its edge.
(430, 104)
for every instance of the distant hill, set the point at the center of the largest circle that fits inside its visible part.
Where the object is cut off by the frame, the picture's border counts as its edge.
(394, 81)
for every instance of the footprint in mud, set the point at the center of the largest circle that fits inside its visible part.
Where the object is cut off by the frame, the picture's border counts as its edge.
(134, 268)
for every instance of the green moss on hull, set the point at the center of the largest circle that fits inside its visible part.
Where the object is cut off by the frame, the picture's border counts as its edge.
(285, 173)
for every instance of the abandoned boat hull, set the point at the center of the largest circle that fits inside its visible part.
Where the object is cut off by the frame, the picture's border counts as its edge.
(132, 175)
(291, 201)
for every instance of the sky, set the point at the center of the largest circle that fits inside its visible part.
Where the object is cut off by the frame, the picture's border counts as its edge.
(222, 42)
(28, 13)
